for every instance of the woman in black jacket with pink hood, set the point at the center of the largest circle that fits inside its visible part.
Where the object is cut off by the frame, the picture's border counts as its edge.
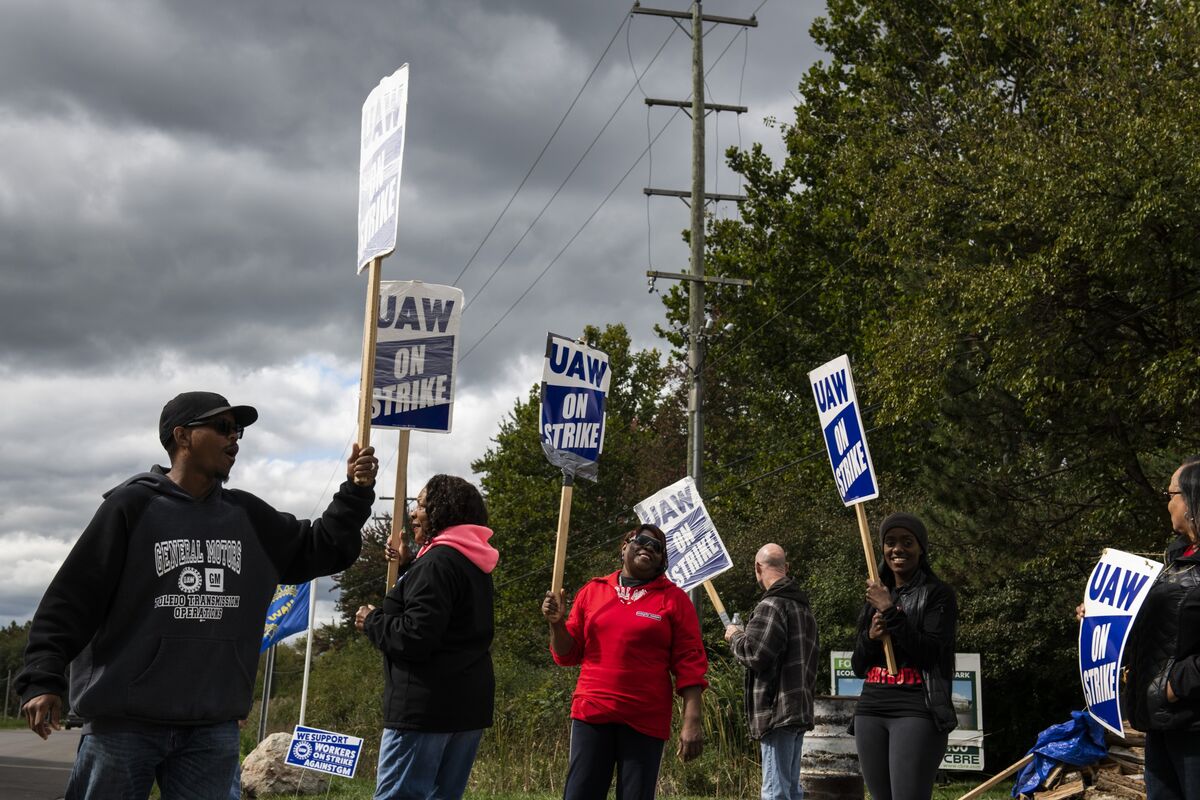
(435, 632)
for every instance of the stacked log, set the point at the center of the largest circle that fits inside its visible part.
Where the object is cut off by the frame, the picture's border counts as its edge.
(1120, 776)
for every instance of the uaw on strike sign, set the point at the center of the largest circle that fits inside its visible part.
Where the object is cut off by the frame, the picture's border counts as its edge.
(380, 155)
(1115, 592)
(695, 552)
(575, 381)
(841, 422)
(415, 356)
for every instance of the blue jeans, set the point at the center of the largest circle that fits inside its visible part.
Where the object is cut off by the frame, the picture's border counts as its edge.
(1172, 765)
(188, 764)
(235, 789)
(780, 750)
(416, 765)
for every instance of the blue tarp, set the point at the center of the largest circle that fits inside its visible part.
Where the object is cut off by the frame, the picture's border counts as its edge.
(1079, 741)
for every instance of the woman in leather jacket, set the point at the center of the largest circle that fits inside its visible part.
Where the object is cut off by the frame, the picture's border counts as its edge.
(1162, 659)
(902, 721)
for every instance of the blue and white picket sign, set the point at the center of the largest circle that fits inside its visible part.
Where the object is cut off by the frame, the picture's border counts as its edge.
(575, 381)
(324, 751)
(1115, 592)
(416, 355)
(845, 438)
(695, 552)
(382, 150)
(287, 614)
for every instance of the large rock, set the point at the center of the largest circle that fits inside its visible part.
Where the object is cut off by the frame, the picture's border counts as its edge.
(264, 771)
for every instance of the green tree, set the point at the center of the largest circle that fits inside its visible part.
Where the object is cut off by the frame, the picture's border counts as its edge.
(991, 205)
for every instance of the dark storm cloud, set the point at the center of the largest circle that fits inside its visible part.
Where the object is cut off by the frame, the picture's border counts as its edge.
(190, 168)
(178, 199)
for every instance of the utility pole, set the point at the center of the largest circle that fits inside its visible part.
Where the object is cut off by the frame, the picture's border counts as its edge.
(697, 196)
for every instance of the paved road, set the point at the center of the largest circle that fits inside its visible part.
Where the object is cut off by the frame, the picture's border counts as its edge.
(31, 769)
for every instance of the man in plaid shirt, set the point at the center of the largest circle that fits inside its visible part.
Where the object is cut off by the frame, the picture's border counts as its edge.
(778, 647)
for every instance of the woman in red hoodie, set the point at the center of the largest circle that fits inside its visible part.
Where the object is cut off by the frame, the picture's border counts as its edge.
(435, 632)
(631, 631)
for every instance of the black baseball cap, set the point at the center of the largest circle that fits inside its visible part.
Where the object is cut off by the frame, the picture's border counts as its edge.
(195, 406)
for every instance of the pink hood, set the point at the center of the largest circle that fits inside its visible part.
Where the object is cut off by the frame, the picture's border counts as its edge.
(471, 541)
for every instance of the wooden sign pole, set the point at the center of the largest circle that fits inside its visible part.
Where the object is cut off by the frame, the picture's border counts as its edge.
(979, 790)
(399, 506)
(873, 571)
(564, 525)
(366, 387)
(716, 601)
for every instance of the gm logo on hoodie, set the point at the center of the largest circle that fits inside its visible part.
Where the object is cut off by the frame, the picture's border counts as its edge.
(214, 579)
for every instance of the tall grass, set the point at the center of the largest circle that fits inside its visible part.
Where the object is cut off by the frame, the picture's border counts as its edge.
(527, 749)
(524, 754)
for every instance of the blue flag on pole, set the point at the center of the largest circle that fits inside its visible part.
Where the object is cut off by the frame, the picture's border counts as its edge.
(287, 614)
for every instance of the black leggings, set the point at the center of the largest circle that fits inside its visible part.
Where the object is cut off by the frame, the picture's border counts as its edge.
(899, 756)
(596, 749)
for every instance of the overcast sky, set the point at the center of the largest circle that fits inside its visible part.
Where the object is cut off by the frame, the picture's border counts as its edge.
(178, 199)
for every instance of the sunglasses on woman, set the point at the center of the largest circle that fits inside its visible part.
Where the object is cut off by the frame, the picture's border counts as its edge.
(648, 542)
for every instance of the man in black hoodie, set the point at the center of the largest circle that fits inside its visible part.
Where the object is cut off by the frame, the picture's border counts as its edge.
(778, 647)
(159, 609)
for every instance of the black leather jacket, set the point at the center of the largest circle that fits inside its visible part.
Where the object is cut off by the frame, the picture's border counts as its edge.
(918, 643)
(1165, 643)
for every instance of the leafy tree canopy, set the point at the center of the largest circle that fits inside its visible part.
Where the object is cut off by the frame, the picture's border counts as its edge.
(991, 205)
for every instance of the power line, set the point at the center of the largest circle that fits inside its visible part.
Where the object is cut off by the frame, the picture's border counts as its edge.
(625, 23)
(596, 211)
(570, 174)
(570, 241)
(650, 153)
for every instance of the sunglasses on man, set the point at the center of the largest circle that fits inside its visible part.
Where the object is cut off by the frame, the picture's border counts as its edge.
(219, 424)
(648, 542)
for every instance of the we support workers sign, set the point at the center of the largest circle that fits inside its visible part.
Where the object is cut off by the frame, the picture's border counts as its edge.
(1115, 592)
(415, 356)
(695, 552)
(324, 751)
(381, 152)
(575, 381)
(841, 422)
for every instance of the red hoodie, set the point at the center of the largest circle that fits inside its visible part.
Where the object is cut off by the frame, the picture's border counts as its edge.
(630, 642)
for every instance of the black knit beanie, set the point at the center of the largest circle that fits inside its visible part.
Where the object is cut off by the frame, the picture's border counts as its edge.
(909, 522)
